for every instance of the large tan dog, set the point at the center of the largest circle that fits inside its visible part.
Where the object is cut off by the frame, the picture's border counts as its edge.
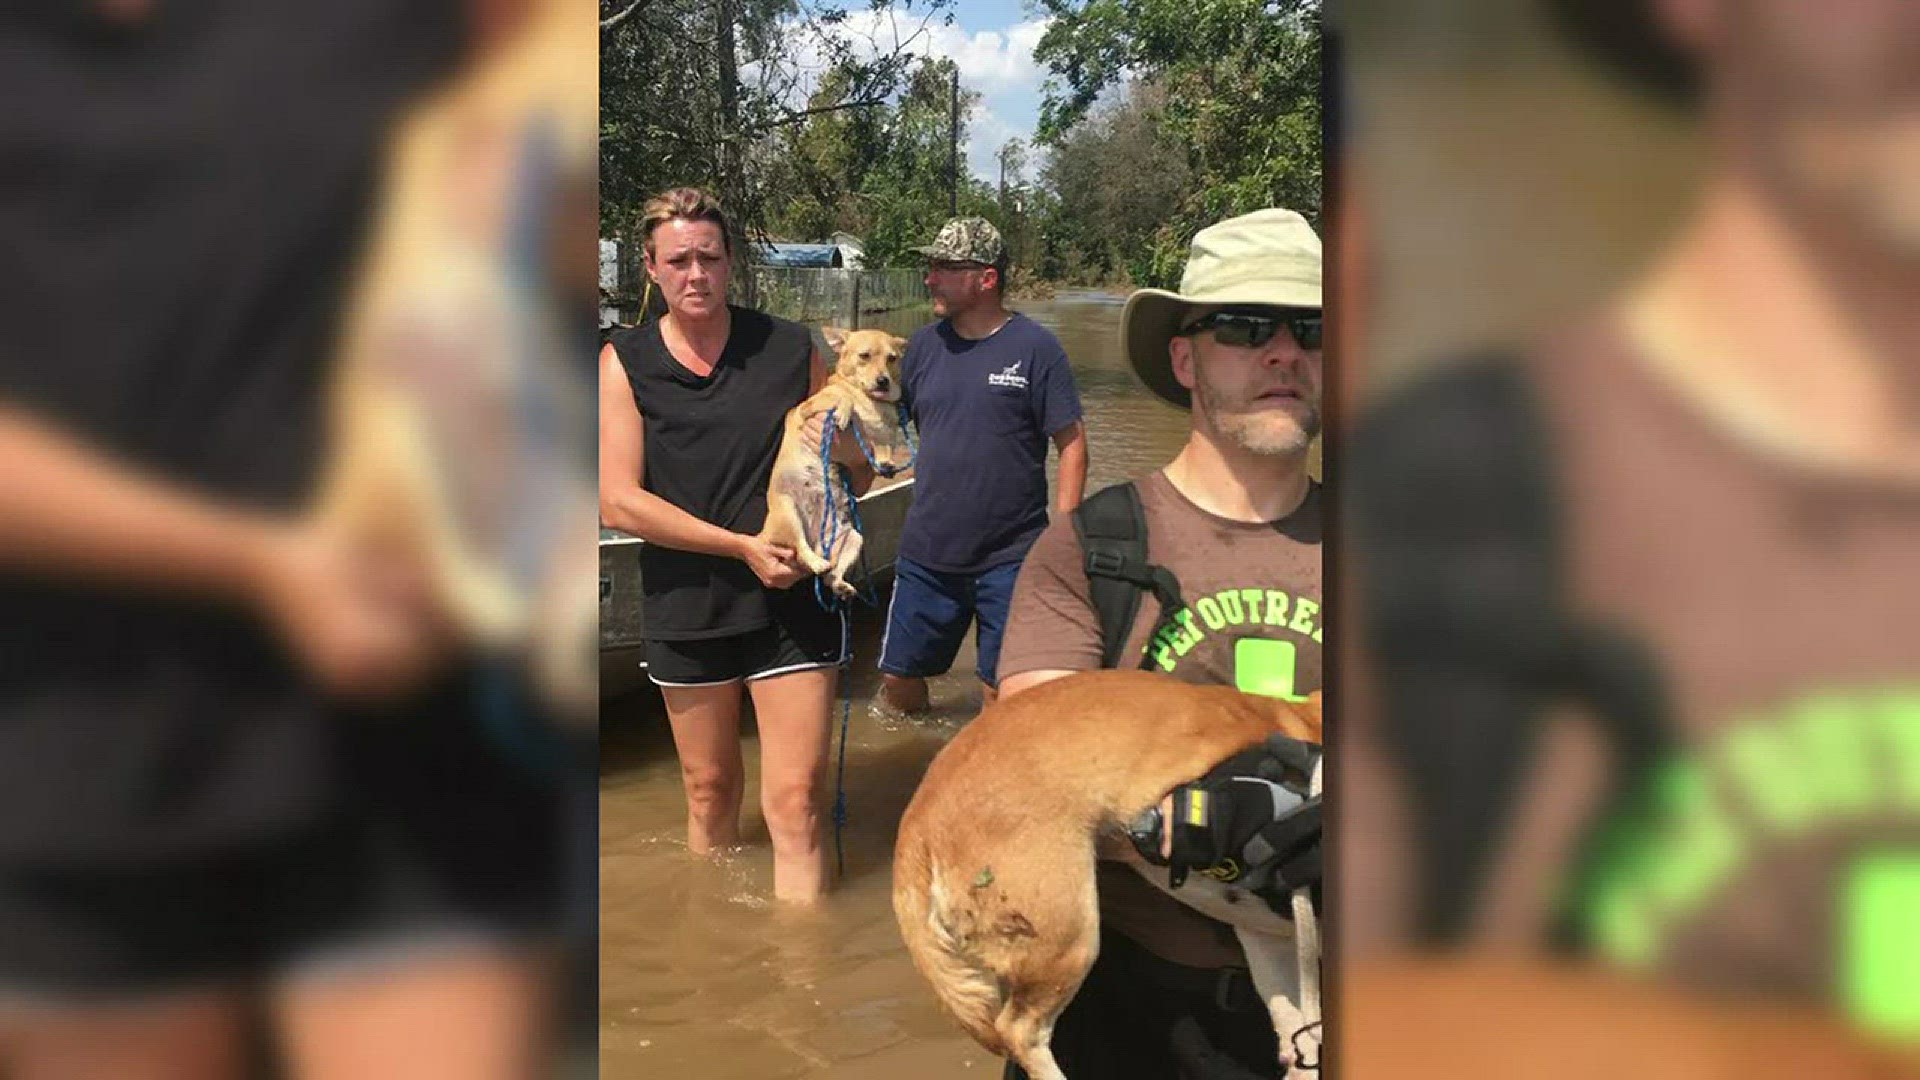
(861, 392)
(993, 872)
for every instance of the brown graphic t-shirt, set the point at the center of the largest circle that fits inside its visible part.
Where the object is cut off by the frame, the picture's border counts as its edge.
(1780, 847)
(1252, 619)
(1784, 847)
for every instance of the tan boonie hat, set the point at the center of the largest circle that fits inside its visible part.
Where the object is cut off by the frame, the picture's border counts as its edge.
(1268, 257)
(967, 239)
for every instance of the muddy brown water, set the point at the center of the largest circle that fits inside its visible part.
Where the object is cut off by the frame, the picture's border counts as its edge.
(701, 974)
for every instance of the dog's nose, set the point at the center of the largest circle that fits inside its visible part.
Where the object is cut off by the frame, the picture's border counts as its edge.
(882, 383)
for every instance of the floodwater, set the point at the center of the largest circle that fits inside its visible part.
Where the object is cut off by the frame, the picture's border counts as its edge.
(701, 974)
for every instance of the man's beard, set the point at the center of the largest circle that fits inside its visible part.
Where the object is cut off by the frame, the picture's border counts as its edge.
(1265, 432)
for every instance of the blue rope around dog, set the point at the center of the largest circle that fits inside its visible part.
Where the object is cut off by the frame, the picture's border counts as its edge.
(830, 537)
(829, 541)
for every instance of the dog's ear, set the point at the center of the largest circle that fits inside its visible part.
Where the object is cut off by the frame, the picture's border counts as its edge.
(899, 343)
(835, 336)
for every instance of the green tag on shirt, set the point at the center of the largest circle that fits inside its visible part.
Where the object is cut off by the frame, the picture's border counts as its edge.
(1880, 943)
(1265, 666)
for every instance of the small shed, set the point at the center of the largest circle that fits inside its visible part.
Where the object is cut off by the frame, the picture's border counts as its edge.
(818, 256)
(853, 250)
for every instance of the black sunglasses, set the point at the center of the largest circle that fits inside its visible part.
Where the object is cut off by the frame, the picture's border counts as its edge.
(1249, 330)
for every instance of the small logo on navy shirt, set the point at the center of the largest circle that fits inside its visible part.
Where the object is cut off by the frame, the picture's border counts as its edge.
(1009, 376)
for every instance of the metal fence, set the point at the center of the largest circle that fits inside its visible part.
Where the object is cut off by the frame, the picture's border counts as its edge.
(835, 297)
(816, 296)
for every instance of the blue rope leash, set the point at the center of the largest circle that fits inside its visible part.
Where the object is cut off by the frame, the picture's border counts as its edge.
(840, 771)
(830, 525)
(913, 445)
(829, 540)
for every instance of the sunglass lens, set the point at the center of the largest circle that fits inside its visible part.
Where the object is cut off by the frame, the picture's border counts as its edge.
(1244, 331)
(1306, 331)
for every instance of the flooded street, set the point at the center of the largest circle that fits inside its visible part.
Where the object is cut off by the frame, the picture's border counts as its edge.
(701, 974)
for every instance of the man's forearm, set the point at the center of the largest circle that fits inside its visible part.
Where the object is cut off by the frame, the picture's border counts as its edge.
(69, 510)
(1073, 475)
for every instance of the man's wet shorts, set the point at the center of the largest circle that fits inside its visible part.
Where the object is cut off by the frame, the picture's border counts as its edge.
(928, 617)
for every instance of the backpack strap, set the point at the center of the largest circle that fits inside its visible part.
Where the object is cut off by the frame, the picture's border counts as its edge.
(1112, 528)
(1454, 522)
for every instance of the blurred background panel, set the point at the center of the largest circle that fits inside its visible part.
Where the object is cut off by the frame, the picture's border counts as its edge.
(296, 660)
(1505, 179)
(1634, 304)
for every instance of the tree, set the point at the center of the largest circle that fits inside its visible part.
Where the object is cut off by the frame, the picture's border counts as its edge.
(1116, 177)
(1238, 90)
(699, 91)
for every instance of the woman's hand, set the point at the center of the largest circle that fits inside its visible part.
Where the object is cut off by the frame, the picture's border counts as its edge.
(361, 622)
(773, 564)
(846, 451)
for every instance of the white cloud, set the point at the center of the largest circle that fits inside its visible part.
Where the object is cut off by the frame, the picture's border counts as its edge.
(1004, 59)
(1001, 59)
(986, 134)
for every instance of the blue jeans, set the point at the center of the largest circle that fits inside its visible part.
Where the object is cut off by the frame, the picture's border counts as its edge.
(930, 612)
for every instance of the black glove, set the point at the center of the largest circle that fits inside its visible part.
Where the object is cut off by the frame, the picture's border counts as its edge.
(1281, 759)
(1250, 822)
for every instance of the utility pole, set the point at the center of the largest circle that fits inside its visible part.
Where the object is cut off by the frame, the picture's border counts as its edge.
(953, 151)
(732, 190)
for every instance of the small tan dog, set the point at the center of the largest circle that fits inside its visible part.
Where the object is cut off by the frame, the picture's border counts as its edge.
(862, 393)
(436, 462)
(993, 872)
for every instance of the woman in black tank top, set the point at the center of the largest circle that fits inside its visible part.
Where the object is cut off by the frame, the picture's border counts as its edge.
(692, 408)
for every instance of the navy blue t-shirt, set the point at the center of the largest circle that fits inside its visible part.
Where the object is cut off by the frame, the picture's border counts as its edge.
(985, 412)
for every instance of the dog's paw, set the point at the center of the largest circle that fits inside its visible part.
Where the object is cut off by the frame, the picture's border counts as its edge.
(841, 588)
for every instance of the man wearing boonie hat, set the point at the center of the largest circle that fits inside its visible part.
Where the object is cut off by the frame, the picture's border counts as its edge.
(1229, 531)
(989, 389)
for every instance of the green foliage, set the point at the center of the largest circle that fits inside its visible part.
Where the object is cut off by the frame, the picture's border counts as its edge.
(1161, 117)
(882, 175)
(673, 112)
(1230, 88)
(1115, 178)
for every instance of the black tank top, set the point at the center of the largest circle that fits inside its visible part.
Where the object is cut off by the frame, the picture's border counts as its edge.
(710, 446)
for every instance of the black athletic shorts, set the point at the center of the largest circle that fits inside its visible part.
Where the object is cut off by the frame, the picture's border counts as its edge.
(438, 838)
(800, 638)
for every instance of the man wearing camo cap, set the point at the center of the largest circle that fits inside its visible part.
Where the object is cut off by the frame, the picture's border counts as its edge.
(988, 389)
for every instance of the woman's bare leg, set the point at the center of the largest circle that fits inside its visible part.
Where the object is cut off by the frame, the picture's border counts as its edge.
(479, 1016)
(706, 734)
(794, 712)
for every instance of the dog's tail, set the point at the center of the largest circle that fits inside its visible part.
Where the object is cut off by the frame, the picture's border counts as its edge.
(945, 947)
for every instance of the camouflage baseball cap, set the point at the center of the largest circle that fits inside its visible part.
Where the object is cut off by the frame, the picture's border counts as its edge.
(967, 239)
